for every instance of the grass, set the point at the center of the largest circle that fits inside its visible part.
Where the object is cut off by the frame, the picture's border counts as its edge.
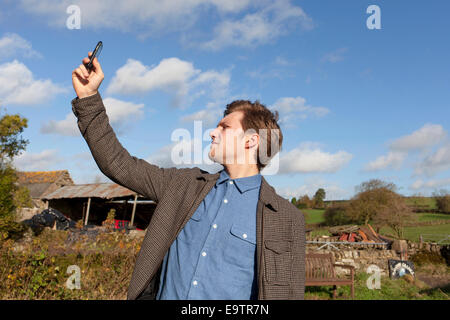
(39, 269)
(314, 215)
(421, 201)
(413, 233)
(425, 216)
(390, 289)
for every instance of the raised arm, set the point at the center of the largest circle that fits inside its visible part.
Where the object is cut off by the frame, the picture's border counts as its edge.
(111, 157)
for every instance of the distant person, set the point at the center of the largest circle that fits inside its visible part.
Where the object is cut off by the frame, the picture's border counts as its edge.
(212, 236)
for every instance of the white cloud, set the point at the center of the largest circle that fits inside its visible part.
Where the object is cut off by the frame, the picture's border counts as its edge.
(292, 109)
(174, 76)
(308, 158)
(209, 117)
(120, 113)
(392, 159)
(420, 140)
(44, 160)
(18, 86)
(66, 127)
(13, 45)
(437, 162)
(427, 136)
(144, 16)
(431, 184)
(258, 28)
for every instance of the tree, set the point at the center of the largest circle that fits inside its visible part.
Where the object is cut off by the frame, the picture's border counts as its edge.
(11, 195)
(319, 196)
(304, 202)
(369, 201)
(375, 184)
(294, 201)
(394, 214)
(442, 199)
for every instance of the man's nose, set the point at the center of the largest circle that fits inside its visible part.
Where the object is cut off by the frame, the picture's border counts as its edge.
(213, 134)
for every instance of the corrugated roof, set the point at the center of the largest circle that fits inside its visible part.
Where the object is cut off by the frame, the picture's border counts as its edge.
(40, 176)
(96, 190)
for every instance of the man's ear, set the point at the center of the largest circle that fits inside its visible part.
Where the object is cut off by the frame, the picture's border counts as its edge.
(251, 141)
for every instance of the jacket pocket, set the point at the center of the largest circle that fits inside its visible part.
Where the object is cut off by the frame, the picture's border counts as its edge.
(278, 261)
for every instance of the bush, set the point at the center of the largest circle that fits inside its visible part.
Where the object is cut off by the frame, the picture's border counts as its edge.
(443, 203)
(426, 257)
(336, 216)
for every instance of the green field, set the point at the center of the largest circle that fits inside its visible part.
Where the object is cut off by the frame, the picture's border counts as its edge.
(421, 201)
(413, 233)
(425, 216)
(315, 216)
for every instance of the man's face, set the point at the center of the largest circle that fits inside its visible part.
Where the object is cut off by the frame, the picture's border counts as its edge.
(228, 140)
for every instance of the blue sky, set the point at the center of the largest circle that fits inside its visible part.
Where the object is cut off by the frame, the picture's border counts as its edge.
(354, 103)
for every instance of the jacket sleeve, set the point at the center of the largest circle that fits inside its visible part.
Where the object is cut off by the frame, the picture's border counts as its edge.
(111, 157)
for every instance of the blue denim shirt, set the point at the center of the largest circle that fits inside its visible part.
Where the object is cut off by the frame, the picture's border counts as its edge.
(214, 256)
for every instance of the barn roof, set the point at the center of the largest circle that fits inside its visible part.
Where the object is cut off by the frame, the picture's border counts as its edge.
(95, 190)
(29, 177)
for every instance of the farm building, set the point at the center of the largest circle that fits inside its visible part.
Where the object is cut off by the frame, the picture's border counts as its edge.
(92, 202)
(41, 182)
(88, 202)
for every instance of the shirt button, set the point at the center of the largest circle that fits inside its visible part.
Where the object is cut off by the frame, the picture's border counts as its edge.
(244, 236)
(231, 182)
(215, 226)
(204, 253)
(225, 200)
(195, 282)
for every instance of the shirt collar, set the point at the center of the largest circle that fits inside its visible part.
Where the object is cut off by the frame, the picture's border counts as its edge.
(243, 184)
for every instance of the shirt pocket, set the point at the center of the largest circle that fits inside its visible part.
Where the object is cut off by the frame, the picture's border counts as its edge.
(241, 250)
(278, 261)
(243, 234)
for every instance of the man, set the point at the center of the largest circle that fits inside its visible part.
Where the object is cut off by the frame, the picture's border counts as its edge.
(212, 236)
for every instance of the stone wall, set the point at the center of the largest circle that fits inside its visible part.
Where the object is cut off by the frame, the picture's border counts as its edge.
(362, 257)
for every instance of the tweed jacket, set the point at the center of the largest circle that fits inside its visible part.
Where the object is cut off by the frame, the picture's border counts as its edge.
(280, 230)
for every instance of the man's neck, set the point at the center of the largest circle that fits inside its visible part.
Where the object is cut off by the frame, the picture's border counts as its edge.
(241, 171)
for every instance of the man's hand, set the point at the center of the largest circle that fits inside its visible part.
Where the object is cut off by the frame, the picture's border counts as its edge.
(85, 83)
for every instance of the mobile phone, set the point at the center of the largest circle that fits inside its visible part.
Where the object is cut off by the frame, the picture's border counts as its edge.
(95, 53)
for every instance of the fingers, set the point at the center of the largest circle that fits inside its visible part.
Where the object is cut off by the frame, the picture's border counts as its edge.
(84, 70)
(95, 64)
(80, 73)
(97, 67)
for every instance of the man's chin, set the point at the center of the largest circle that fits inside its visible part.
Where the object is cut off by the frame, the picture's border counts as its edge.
(213, 158)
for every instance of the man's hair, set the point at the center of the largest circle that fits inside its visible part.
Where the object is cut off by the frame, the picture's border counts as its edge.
(257, 116)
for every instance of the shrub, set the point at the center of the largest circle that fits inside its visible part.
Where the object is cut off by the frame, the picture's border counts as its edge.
(336, 216)
(426, 257)
(443, 203)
